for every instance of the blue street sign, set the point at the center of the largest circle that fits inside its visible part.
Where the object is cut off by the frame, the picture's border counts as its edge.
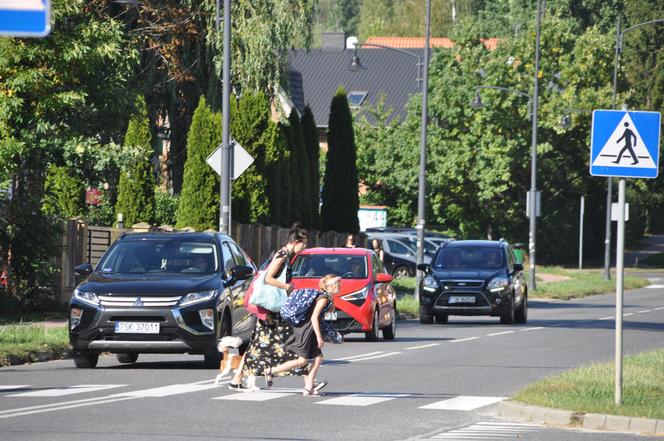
(625, 144)
(25, 18)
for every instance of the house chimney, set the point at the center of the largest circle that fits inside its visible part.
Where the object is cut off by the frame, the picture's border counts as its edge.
(334, 41)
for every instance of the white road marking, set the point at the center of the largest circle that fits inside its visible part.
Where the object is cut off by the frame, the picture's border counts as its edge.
(658, 309)
(644, 311)
(362, 399)
(488, 430)
(7, 388)
(606, 318)
(167, 391)
(354, 356)
(388, 354)
(532, 329)
(69, 390)
(463, 339)
(628, 314)
(255, 396)
(500, 333)
(71, 406)
(655, 286)
(430, 345)
(463, 403)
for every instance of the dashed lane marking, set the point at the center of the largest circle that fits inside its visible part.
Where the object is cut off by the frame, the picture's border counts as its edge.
(644, 311)
(463, 403)
(460, 340)
(628, 314)
(69, 390)
(606, 318)
(362, 399)
(430, 345)
(500, 333)
(532, 329)
(655, 286)
(352, 357)
(388, 354)
(658, 309)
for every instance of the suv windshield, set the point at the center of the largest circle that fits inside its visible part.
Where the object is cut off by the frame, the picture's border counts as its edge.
(160, 256)
(318, 265)
(469, 258)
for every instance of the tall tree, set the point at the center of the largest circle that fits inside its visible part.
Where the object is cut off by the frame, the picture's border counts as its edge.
(300, 169)
(310, 134)
(137, 183)
(284, 178)
(199, 200)
(340, 186)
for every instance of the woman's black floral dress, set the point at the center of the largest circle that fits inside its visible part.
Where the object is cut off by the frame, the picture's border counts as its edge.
(266, 348)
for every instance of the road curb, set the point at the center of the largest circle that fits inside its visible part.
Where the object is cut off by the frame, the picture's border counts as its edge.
(35, 357)
(515, 410)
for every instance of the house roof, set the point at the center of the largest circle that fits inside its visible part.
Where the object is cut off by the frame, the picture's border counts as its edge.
(418, 42)
(314, 76)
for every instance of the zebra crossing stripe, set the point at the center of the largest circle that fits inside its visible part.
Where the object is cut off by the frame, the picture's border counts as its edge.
(489, 431)
(255, 396)
(362, 399)
(167, 391)
(69, 390)
(463, 403)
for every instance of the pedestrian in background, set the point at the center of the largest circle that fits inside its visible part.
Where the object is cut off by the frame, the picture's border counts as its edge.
(306, 341)
(266, 348)
(378, 249)
(350, 241)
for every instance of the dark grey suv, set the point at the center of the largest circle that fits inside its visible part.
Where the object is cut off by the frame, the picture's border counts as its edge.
(474, 277)
(161, 293)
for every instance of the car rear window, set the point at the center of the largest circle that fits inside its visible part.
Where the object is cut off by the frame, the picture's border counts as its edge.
(469, 258)
(161, 256)
(319, 265)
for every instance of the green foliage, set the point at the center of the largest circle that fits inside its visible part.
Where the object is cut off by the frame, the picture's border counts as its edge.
(103, 213)
(166, 207)
(64, 194)
(284, 179)
(136, 187)
(199, 199)
(300, 165)
(312, 147)
(340, 187)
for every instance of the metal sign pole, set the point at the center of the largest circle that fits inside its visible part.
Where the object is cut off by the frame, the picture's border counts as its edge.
(620, 269)
(581, 232)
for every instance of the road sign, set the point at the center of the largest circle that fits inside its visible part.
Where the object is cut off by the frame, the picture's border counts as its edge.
(625, 144)
(241, 160)
(25, 18)
(615, 213)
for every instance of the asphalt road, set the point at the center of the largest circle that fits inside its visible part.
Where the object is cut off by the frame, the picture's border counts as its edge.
(432, 382)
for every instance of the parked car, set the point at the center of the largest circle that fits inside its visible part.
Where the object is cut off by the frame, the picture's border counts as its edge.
(161, 293)
(474, 277)
(399, 254)
(366, 301)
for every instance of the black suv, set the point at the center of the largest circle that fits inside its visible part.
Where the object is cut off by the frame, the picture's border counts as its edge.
(161, 293)
(474, 277)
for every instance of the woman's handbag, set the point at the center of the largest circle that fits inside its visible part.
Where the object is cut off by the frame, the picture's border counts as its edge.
(260, 313)
(268, 296)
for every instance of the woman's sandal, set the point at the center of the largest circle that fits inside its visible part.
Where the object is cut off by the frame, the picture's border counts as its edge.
(318, 386)
(310, 392)
(268, 377)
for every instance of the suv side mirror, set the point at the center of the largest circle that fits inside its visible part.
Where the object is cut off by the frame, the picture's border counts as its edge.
(383, 278)
(518, 267)
(83, 270)
(240, 272)
(424, 267)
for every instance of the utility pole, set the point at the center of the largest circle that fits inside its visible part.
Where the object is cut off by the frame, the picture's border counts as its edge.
(225, 187)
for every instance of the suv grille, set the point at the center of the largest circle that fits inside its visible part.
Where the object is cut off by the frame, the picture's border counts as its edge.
(118, 301)
(462, 283)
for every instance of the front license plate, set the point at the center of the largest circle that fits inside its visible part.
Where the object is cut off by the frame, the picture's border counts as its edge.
(331, 316)
(462, 299)
(136, 328)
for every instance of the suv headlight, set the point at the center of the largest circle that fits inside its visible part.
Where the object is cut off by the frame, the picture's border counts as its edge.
(197, 297)
(497, 284)
(357, 295)
(86, 297)
(430, 284)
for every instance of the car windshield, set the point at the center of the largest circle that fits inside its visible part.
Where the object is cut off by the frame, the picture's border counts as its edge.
(469, 258)
(319, 265)
(168, 255)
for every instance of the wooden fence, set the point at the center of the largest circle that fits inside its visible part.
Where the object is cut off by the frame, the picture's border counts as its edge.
(83, 243)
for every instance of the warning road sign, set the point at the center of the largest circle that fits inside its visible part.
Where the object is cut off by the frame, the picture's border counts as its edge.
(625, 144)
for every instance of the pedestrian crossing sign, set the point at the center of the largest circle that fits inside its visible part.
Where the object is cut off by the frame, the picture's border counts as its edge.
(625, 144)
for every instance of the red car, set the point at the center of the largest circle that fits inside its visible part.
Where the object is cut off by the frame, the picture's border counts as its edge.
(366, 301)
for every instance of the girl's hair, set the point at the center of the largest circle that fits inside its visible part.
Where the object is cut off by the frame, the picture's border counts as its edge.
(327, 280)
(297, 233)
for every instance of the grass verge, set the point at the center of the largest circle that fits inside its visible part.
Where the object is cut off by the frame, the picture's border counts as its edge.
(591, 389)
(580, 283)
(26, 342)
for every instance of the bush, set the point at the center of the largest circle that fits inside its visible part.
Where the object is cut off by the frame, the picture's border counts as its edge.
(166, 207)
(63, 193)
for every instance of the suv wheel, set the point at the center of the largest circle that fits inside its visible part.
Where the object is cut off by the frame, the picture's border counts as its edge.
(521, 314)
(507, 318)
(400, 271)
(127, 358)
(390, 331)
(441, 318)
(85, 359)
(372, 335)
(426, 316)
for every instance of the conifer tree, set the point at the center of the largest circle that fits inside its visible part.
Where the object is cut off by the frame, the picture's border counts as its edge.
(310, 135)
(283, 175)
(340, 186)
(199, 199)
(300, 171)
(136, 187)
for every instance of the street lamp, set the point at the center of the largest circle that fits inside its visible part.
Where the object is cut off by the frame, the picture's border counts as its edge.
(421, 191)
(609, 199)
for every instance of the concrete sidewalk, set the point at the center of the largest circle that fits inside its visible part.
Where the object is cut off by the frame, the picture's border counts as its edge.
(516, 411)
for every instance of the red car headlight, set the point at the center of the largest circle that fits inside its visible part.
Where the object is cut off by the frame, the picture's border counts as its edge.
(356, 296)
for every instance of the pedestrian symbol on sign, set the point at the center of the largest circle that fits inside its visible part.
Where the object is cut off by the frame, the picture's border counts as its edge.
(627, 136)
